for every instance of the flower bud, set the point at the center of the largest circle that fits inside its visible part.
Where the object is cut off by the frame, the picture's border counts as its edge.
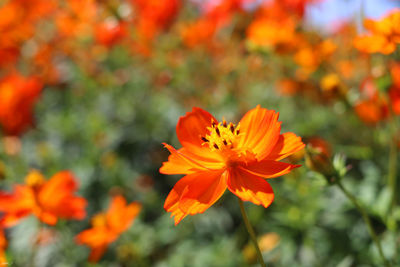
(319, 157)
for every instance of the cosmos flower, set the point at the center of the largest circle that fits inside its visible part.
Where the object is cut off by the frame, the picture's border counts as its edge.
(108, 226)
(18, 96)
(47, 200)
(372, 107)
(384, 34)
(220, 155)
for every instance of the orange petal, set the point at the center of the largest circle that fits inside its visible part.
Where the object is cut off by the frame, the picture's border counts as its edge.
(16, 205)
(193, 126)
(249, 187)
(73, 207)
(394, 95)
(96, 253)
(60, 185)
(288, 143)
(12, 219)
(203, 192)
(177, 164)
(172, 203)
(374, 44)
(95, 237)
(260, 129)
(183, 161)
(269, 168)
(370, 111)
(47, 217)
(21, 199)
(120, 215)
(56, 197)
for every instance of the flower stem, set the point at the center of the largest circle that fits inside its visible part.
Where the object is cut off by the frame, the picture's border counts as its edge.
(393, 167)
(366, 220)
(251, 233)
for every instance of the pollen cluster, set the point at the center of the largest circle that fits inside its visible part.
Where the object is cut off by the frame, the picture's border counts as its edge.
(99, 220)
(221, 135)
(35, 179)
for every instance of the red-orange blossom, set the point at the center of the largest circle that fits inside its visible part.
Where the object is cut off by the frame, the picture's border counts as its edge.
(219, 155)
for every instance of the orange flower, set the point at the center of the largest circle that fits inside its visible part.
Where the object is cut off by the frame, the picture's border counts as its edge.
(110, 33)
(269, 32)
(17, 98)
(372, 108)
(215, 17)
(77, 18)
(17, 21)
(310, 57)
(384, 37)
(395, 73)
(372, 111)
(198, 32)
(217, 155)
(288, 87)
(108, 226)
(47, 200)
(394, 95)
(152, 16)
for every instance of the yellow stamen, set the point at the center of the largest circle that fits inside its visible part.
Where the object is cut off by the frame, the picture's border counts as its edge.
(35, 179)
(99, 220)
(221, 135)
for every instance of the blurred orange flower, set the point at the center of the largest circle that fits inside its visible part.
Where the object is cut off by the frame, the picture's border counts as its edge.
(216, 15)
(217, 155)
(372, 107)
(110, 33)
(288, 87)
(395, 73)
(18, 95)
(394, 95)
(47, 200)
(372, 111)
(77, 18)
(384, 34)
(198, 32)
(271, 33)
(310, 57)
(152, 16)
(394, 91)
(17, 21)
(108, 226)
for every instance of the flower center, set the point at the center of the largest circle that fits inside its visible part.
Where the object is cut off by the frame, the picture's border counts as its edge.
(221, 135)
(35, 179)
(99, 220)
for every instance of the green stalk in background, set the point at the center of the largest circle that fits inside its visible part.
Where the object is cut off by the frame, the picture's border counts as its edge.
(251, 233)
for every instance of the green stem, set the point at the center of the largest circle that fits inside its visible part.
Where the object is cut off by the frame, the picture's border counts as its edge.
(366, 220)
(392, 168)
(251, 233)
